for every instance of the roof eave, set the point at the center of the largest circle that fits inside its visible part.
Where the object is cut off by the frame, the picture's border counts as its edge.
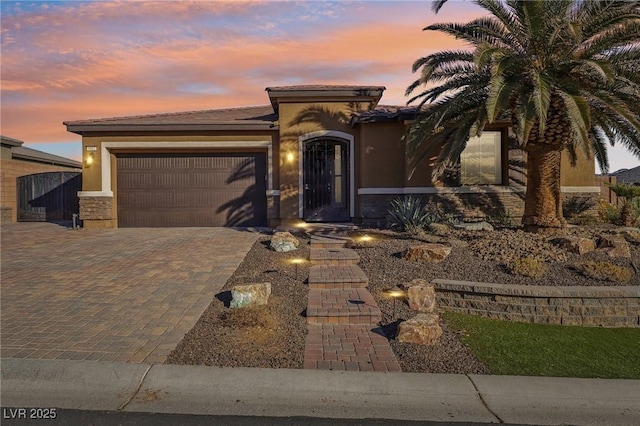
(373, 93)
(6, 140)
(81, 128)
(53, 162)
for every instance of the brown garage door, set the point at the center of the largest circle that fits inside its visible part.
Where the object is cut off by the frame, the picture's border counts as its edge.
(162, 190)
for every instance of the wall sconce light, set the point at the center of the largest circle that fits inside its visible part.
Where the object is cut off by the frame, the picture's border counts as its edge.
(290, 157)
(394, 292)
(88, 160)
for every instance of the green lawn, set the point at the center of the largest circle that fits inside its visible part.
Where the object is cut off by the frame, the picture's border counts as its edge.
(514, 348)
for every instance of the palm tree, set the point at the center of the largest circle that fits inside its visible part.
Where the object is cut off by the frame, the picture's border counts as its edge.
(628, 192)
(566, 74)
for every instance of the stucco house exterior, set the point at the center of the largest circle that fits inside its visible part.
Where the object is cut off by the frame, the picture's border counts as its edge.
(17, 161)
(316, 153)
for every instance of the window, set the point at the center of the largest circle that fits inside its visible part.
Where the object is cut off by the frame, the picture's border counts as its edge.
(481, 160)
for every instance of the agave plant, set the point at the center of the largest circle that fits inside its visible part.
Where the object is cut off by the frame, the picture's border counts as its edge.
(408, 214)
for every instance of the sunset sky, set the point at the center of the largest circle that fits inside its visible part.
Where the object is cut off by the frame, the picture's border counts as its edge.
(78, 60)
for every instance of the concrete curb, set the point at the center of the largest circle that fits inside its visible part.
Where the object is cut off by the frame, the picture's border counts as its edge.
(93, 385)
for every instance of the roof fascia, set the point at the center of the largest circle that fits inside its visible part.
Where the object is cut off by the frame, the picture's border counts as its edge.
(102, 127)
(53, 162)
(276, 96)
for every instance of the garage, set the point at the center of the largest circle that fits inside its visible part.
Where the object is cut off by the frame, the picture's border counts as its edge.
(191, 189)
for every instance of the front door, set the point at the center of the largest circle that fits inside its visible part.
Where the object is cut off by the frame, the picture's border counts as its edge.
(325, 183)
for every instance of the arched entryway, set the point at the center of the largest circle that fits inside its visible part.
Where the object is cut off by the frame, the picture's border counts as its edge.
(326, 179)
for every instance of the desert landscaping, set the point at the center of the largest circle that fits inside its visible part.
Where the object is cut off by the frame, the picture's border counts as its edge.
(273, 335)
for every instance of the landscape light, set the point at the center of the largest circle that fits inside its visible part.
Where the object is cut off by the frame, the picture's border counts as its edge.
(394, 292)
(297, 261)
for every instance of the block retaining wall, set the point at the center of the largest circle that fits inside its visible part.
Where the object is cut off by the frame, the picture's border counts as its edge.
(612, 306)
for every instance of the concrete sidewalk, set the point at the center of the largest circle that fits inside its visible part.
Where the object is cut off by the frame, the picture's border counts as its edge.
(93, 385)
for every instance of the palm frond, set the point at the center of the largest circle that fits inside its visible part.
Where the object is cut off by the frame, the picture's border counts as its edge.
(525, 53)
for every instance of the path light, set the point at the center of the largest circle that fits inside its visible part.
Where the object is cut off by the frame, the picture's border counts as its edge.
(394, 292)
(301, 225)
(297, 261)
(365, 238)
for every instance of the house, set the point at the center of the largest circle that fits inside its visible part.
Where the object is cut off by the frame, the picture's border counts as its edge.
(316, 153)
(17, 161)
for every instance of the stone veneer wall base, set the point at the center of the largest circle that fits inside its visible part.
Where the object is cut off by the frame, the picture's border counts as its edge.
(604, 306)
(469, 205)
(96, 208)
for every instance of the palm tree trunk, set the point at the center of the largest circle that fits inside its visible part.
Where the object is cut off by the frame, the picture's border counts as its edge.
(626, 214)
(543, 200)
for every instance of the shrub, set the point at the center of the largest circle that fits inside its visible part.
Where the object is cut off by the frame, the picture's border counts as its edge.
(527, 267)
(249, 317)
(635, 207)
(608, 213)
(602, 270)
(584, 220)
(439, 229)
(436, 214)
(575, 206)
(408, 214)
(629, 193)
(502, 219)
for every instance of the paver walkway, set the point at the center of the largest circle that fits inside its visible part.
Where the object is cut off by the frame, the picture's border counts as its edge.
(342, 316)
(114, 295)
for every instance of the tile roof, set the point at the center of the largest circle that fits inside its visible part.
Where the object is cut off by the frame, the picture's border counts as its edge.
(6, 140)
(19, 152)
(258, 117)
(24, 153)
(252, 114)
(323, 87)
(386, 113)
(277, 93)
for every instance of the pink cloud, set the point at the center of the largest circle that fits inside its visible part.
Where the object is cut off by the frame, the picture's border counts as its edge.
(104, 59)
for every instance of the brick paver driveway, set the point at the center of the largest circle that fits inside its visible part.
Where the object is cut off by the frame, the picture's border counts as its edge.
(115, 295)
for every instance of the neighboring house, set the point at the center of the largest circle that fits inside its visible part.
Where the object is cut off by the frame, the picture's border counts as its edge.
(317, 153)
(17, 161)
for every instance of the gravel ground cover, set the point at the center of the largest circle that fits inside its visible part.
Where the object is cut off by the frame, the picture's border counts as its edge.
(273, 336)
(270, 336)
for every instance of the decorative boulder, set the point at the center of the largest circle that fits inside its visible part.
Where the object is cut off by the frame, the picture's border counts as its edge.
(283, 242)
(614, 246)
(421, 295)
(423, 329)
(431, 252)
(474, 226)
(575, 244)
(250, 295)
